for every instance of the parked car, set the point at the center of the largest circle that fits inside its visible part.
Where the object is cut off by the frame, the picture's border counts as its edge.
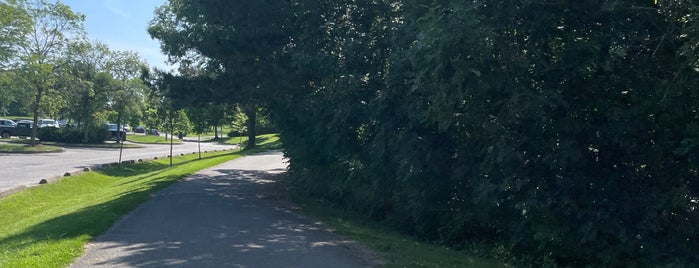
(153, 131)
(47, 123)
(24, 128)
(7, 128)
(115, 135)
(139, 129)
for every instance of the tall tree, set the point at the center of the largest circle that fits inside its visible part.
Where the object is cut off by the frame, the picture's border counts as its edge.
(14, 24)
(85, 84)
(41, 52)
(240, 49)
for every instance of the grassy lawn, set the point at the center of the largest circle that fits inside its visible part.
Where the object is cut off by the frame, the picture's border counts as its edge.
(222, 132)
(22, 148)
(151, 139)
(397, 250)
(261, 140)
(48, 225)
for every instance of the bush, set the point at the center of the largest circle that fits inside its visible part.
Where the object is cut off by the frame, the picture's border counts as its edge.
(74, 135)
(574, 145)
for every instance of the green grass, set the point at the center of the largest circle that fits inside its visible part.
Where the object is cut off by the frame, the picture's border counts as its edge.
(48, 225)
(26, 149)
(397, 250)
(150, 139)
(222, 132)
(265, 141)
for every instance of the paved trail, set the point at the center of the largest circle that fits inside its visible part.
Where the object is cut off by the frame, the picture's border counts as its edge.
(221, 217)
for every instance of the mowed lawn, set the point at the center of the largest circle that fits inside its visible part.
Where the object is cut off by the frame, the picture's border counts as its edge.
(48, 225)
(152, 139)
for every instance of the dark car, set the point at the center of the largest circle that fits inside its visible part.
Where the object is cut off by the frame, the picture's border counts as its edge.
(7, 128)
(139, 129)
(24, 128)
(116, 135)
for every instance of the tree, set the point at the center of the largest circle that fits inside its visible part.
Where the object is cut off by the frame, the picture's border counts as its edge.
(41, 49)
(14, 24)
(240, 51)
(86, 84)
(564, 130)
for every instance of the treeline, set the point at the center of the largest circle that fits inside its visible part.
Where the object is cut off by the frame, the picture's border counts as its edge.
(49, 69)
(563, 132)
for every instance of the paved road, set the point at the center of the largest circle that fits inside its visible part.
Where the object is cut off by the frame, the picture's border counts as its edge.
(25, 170)
(225, 216)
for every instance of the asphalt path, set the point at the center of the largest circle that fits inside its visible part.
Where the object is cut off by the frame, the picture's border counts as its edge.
(18, 171)
(225, 216)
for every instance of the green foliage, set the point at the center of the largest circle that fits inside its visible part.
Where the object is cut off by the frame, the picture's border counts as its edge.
(74, 135)
(397, 250)
(14, 22)
(560, 133)
(227, 56)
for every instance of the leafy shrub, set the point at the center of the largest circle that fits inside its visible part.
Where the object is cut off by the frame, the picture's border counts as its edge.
(560, 141)
(74, 135)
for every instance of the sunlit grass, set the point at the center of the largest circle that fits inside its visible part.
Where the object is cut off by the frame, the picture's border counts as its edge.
(151, 139)
(265, 141)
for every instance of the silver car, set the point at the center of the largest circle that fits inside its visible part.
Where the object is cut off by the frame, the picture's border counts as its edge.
(47, 123)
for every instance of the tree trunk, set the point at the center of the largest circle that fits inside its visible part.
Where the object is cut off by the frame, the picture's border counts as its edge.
(35, 108)
(251, 112)
(119, 137)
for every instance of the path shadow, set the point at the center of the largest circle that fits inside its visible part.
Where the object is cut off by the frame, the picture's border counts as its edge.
(223, 218)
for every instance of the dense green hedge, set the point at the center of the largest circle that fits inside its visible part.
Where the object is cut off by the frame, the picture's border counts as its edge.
(559, 132)
(565, 133)
(93, 135)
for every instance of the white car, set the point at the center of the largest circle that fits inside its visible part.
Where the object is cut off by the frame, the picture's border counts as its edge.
(47, 123)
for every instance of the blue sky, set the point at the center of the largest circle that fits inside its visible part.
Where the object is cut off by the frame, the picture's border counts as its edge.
(121, 24)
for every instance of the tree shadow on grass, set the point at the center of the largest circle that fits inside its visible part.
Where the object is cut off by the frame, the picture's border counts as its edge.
(90, 221)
